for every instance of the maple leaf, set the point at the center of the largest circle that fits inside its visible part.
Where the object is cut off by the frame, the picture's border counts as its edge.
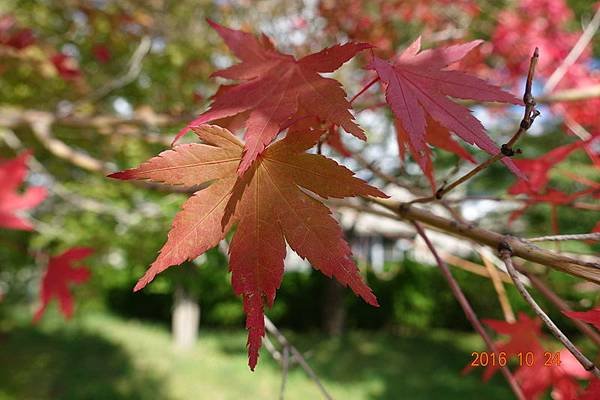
(271, 204)
(551, 196)
(12, 174)
(274, 86)
(537, 169)
(536, 379)
(591, 317)
(416, 88)
(59, 273)
(524, 337)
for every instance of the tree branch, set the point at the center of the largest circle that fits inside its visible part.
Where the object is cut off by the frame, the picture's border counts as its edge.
(589, 270)
(560, 238)
(551, 296)
(506, 256)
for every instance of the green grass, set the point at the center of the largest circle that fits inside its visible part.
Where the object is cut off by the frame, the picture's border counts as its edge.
(105, 357)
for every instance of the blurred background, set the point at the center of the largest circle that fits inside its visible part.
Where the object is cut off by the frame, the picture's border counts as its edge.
(112, 80)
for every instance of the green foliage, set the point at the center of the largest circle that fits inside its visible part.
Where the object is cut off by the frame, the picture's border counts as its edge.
(104, 357)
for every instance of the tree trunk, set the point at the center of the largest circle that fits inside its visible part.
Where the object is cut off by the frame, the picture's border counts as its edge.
(334, 309)
(185, 320)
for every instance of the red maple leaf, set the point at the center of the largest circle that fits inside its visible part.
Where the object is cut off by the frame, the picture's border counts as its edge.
(536, 379)
(274, 86)
(538, 373)
(271, 204)
(524, 337)
(59, 274)
(552, 197)
(537, 169)
(592, 316)
(417, 85)
(12, 174)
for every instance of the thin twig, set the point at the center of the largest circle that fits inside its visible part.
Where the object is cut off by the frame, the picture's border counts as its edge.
(468, 310)
(506, 150)
(133, 70)
(578, 48)
(271, 349)
(561, 238)
(506, 256)
(574, 94)
(473, 268)
(364, 89)
(271, 328)
(386, 178)
(555, 299)
(285, 364)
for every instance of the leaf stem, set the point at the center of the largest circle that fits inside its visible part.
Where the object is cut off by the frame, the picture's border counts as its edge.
(365, 88)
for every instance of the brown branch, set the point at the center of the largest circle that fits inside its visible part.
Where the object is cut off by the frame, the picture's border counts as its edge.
(285, 365)
(506, 256)
(589, 270)
(468, 310)
(41, 128)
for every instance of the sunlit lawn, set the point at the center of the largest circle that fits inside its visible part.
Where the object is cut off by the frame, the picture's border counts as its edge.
(105, 357)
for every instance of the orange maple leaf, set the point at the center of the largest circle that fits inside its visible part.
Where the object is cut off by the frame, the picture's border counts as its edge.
(272, 203)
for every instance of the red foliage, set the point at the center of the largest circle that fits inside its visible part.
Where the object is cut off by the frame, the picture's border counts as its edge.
(417, 85)
(537, 169)
(558, 373)
(59, 274)
(66, 66)
(591, 317)
(11, 36)
(274, 87)
(545, 24)
(12, 174)
(102, 53)
(268, 206)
